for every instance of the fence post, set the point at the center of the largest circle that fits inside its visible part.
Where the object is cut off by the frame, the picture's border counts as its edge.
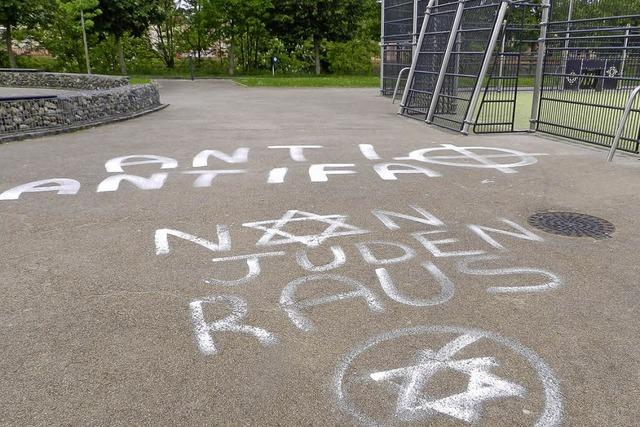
(382, 37)
(485, 67)
(414, 60)
(445, 61)
(625, 52)
(502, 50)
(542, 52)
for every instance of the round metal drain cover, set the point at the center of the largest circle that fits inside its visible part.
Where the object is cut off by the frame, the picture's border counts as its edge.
(572, 224)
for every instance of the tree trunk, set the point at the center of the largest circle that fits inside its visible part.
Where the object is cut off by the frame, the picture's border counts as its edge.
(9, 41)
(316, 53)
(123, 65)
(232, 58)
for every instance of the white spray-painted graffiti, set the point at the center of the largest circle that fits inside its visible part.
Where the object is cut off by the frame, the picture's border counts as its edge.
(436, 285)
(403, 382)
(502, 160)
(366, 389)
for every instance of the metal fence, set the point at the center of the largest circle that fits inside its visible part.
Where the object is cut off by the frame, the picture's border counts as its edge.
(399, 20)
(462, 74)
(591, 67)
(430, 54)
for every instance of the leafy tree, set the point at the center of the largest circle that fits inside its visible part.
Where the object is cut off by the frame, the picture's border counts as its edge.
(119, 17)
(195, 35)
(63, 34)
(21, 12)
(242, 23)
(320, 20)
(165, 22)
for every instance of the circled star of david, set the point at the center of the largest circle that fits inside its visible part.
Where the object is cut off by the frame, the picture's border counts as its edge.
(336, 227)
(412, 382)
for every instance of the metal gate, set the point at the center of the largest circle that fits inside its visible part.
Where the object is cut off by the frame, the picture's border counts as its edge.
(497, 113)
(591, 67)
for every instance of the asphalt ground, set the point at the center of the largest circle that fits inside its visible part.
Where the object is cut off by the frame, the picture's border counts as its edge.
(313, 295)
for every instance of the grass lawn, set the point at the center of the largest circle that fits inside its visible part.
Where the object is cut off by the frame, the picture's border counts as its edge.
(139, 80)
(310, 81)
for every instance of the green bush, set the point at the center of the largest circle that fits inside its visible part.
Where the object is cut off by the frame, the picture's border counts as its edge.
(353, 57)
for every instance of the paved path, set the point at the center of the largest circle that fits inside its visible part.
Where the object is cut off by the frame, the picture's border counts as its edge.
(312, 286)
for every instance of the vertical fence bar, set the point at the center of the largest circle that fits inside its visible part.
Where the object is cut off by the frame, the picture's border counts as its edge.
(502, 50)
(542, 47)
(485, 67)
(445, 61)
(414, 60)
(414, 31)
(382, 40)
(625, 50)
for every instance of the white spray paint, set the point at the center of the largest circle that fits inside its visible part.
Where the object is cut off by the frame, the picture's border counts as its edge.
(369, 152)
(162, 240)
(371, 258)
(337, 226)
(388, 174)
(112, 183)
(116, 165)
(339, 259)
(433, 246)
(553, 283)
(466, 406)
(293, 308)
(319, 173)
(467, 157)
(253, 266)
(296, 151)
(206, 178)
(61, 186)
(277, 175)
(201, 160)
(427, 218)
(412, 405)
(446, 288)
(204, 330)
(483, 233)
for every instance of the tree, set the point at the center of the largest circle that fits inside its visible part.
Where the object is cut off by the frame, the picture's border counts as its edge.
(63, 33)
(320, 20)
(195, 34)
(165, 24)
(242, 23)
(125, 16)
(21, 12)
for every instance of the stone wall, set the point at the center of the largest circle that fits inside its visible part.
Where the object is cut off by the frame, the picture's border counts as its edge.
(99, 100)
(61, 81)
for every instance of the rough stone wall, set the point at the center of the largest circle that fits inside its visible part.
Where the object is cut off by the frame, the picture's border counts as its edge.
(61, 81)
(69, 111)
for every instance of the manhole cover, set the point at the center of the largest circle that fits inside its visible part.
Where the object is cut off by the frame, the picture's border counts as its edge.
(572, 224)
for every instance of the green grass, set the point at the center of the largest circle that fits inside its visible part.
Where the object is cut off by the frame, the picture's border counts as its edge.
(309, 81)
(139, 80)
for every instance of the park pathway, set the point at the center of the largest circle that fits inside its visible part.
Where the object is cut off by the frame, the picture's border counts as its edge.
(306, 257)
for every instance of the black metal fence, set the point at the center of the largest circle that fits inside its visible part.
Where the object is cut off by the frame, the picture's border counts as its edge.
(430, 57)
(591, 67)
(463, 71)
(397, 40)
(497, 113)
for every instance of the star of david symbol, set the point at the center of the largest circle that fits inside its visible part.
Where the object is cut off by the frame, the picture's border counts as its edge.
(411, 383)
(572, 78)
(337, 227)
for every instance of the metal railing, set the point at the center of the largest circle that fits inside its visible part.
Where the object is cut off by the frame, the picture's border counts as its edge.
(623, 123)
(395, 91)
